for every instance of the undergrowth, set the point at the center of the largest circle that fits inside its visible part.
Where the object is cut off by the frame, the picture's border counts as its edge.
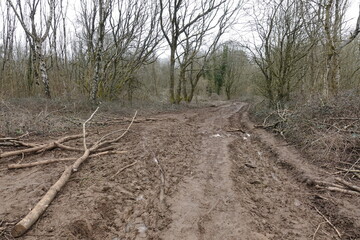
(327, 133)
(39, 116)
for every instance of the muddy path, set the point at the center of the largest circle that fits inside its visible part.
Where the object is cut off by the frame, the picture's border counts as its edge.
(224, 180)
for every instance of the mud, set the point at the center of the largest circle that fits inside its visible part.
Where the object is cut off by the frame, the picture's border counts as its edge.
(219, 184)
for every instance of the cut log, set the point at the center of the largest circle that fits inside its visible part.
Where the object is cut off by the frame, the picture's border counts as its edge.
(22, 226)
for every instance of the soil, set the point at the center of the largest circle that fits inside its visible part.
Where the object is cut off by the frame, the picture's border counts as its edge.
(224, 179)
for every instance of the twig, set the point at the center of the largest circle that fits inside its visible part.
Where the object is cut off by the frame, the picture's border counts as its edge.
(345, 118)
(22, 158)
(352, 166)
(265, 120)
(122, 169)
(317, 229)
(213, 207)
(162, 178)
(328, 221)
(13, 138)
(109, 134)
(347, 184)
(356, 167)
(341, 190)
(99, 144)
(236, 130)
(347, 170)
(84, 124)
(62, 146)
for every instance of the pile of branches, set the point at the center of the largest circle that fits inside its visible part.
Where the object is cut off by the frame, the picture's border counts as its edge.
(341, 185)
(101, 147)
(328, 133)
(276, 120)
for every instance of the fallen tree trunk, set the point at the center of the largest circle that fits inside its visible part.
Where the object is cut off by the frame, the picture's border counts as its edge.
(24, 225)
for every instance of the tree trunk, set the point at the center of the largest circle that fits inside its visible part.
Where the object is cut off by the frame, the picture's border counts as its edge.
(172, 75)
(184, 89)
(42, 67)
(178, 92)
(99, 52)
(96, 79)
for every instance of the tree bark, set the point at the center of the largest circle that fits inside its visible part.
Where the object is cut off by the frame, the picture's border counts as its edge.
(42, 67)
(22, 226)
(172, 75)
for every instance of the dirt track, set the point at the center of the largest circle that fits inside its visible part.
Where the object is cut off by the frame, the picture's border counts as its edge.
(220, 184)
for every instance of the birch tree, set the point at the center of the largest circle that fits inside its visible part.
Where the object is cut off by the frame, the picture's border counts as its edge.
(36, 22)
(333, 16)
(104, 10)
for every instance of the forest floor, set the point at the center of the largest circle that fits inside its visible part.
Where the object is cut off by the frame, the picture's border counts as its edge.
(224, 179)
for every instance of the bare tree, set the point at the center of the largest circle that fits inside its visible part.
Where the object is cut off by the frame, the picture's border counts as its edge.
(198, 44)
(28, 12)
(120, 36)
(104, 10)
(236, 62)
(135, 38)
(182, 20)
(8, 36)
(7, 48)
(284, 43)
(333, 14)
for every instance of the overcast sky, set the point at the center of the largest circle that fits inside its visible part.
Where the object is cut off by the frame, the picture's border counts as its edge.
(237, 33)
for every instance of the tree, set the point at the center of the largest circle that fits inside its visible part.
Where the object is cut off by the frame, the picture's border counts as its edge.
(236, 60)
(185, 23)
(36, 35)
(120, 37)
(281, 29)
(104, 9)
(333, 12)
(226, 68)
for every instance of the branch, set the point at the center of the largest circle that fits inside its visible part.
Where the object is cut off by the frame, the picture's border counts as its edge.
(162, 178)
(328, 221)
(33, 164)
(354, 34)
(22, 226)
(25, 224)
(84, 124)
(347, 184)
(122, 169)
(42, 147)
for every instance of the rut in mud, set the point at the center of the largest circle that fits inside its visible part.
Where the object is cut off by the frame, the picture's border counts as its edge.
(220, 184)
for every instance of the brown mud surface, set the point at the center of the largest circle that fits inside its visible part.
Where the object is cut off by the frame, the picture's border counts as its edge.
(219, 184)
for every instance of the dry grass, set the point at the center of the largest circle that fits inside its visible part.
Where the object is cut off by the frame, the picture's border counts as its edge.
(39, 116)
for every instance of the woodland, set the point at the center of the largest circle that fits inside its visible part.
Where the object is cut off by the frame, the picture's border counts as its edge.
(294, 66)
(172, 51)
